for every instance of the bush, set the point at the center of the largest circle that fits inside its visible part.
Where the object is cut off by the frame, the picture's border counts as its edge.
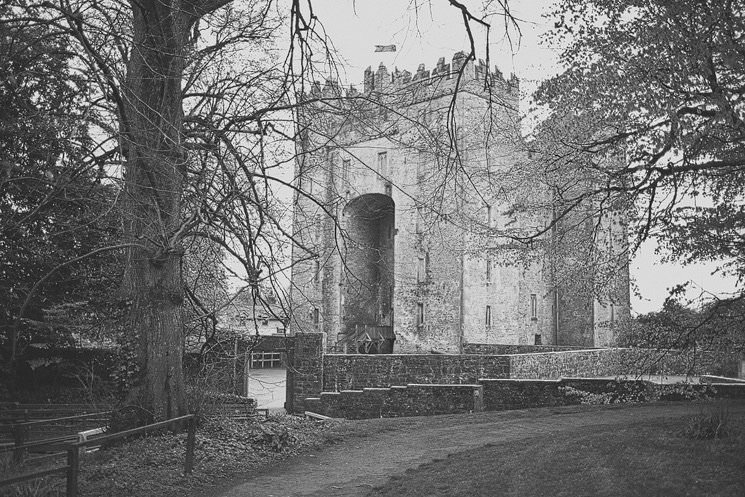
(617, 392)
(710, 424)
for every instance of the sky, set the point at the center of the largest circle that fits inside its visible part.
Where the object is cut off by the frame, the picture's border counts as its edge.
(424, 30)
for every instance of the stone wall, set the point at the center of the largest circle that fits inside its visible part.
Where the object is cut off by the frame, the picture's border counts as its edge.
(503, 394)
(304, 369)
(554, 365)
(501, 349)
(612, 362)
(409, 400)
(355, 372)
(311, 372)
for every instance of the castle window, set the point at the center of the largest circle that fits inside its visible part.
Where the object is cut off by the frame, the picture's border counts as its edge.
(316, 317)
(538, 339)
(383, 163)
(534, 307)
(345, 165)
(488, 272)
(487, 319)
(419, 220)
(421, 269)
(420, 314)
(317, 275)
(612, 313)
(488, 216)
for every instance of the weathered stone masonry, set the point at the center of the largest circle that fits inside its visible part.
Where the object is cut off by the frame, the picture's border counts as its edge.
(392, 241)
(313, 372)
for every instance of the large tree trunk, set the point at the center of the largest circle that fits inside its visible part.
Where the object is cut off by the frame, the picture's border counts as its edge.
(154, 179)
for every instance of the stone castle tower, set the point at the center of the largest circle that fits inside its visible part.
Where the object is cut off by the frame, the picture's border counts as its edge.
(409, 224)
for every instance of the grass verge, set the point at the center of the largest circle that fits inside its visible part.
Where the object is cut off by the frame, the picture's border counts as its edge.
(627, 460)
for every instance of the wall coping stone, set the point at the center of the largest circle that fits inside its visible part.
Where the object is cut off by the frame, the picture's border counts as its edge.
(709, 378)
(464, 385)
(521, 380)
(562, 352)
(383, 356)
(376, 389)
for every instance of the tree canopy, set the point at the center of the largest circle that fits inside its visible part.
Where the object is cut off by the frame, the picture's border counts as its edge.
(649, 109)
(661, 85)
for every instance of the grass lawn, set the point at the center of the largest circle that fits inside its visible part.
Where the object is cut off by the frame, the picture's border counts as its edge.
(628, 460)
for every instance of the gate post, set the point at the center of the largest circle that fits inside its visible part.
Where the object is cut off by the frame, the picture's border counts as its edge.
(304, 370)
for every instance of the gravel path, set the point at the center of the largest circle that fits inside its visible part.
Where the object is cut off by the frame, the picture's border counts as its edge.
(354, 466)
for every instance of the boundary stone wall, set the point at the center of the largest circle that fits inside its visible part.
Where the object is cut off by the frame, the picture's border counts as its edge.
(409, 400)
(355, 372)
(311, 372)
(503, 394)
(502, 349)
(613, 362)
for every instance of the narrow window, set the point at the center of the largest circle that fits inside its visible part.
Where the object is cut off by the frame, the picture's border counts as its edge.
(488, 216)
(317, 275)
(533, 306)
(310, 186)
(421, 270)
(383, 163)
(538, 339)
(419, 220)
(488, 316)
(318, 228)
(488, 271)
(612, 313)
(316, 317)
(420, 314)
(345, 165)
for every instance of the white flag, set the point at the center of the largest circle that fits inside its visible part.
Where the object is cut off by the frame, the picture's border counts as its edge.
(385, 48)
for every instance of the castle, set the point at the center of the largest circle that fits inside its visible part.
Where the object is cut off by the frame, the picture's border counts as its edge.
(412, 232)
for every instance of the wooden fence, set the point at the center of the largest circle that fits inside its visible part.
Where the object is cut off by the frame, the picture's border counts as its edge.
(72, 468)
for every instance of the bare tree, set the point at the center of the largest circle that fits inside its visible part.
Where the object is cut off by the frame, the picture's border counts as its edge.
(196, 134)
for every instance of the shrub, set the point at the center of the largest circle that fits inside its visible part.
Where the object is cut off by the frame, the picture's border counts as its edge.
(685, 391)
(710, 424)
(617, 392)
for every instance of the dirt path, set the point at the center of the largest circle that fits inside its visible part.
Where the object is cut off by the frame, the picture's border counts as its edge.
(355, 465)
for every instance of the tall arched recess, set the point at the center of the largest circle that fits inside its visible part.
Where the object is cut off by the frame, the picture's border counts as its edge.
(367, 286)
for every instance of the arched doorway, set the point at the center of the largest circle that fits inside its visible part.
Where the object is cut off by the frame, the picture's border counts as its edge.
(367, 287)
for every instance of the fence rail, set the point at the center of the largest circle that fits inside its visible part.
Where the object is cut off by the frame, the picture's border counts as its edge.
(72, 468)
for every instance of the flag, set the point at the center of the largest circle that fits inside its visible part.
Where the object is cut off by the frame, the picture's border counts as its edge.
(385, 48)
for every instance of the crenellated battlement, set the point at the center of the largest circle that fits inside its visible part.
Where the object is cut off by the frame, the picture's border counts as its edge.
(424, 83)
(381, 80)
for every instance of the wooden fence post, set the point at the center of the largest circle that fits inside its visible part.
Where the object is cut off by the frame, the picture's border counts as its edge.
(20, 437)
(190, 441)
(73, 466)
